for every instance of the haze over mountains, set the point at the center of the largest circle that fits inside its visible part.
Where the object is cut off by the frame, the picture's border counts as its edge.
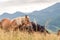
(52, 12)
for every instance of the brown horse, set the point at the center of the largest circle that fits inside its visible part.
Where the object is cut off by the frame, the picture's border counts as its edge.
(5, 24)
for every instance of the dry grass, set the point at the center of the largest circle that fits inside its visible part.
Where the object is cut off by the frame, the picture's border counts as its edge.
(26, 36)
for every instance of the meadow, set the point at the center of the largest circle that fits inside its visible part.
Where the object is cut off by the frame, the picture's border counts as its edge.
(19, 35)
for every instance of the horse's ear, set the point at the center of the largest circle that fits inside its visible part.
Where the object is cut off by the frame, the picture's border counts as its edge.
(26, 16)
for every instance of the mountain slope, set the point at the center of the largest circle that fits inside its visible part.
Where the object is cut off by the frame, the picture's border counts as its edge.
(52, 13)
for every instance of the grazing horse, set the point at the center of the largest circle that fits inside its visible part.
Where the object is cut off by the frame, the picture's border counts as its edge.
(25, 24)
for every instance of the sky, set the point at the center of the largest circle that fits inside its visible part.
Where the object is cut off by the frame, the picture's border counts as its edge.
(25, 6)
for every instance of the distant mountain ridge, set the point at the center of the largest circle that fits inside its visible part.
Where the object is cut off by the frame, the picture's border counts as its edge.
(52, 12)
(11, 16)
